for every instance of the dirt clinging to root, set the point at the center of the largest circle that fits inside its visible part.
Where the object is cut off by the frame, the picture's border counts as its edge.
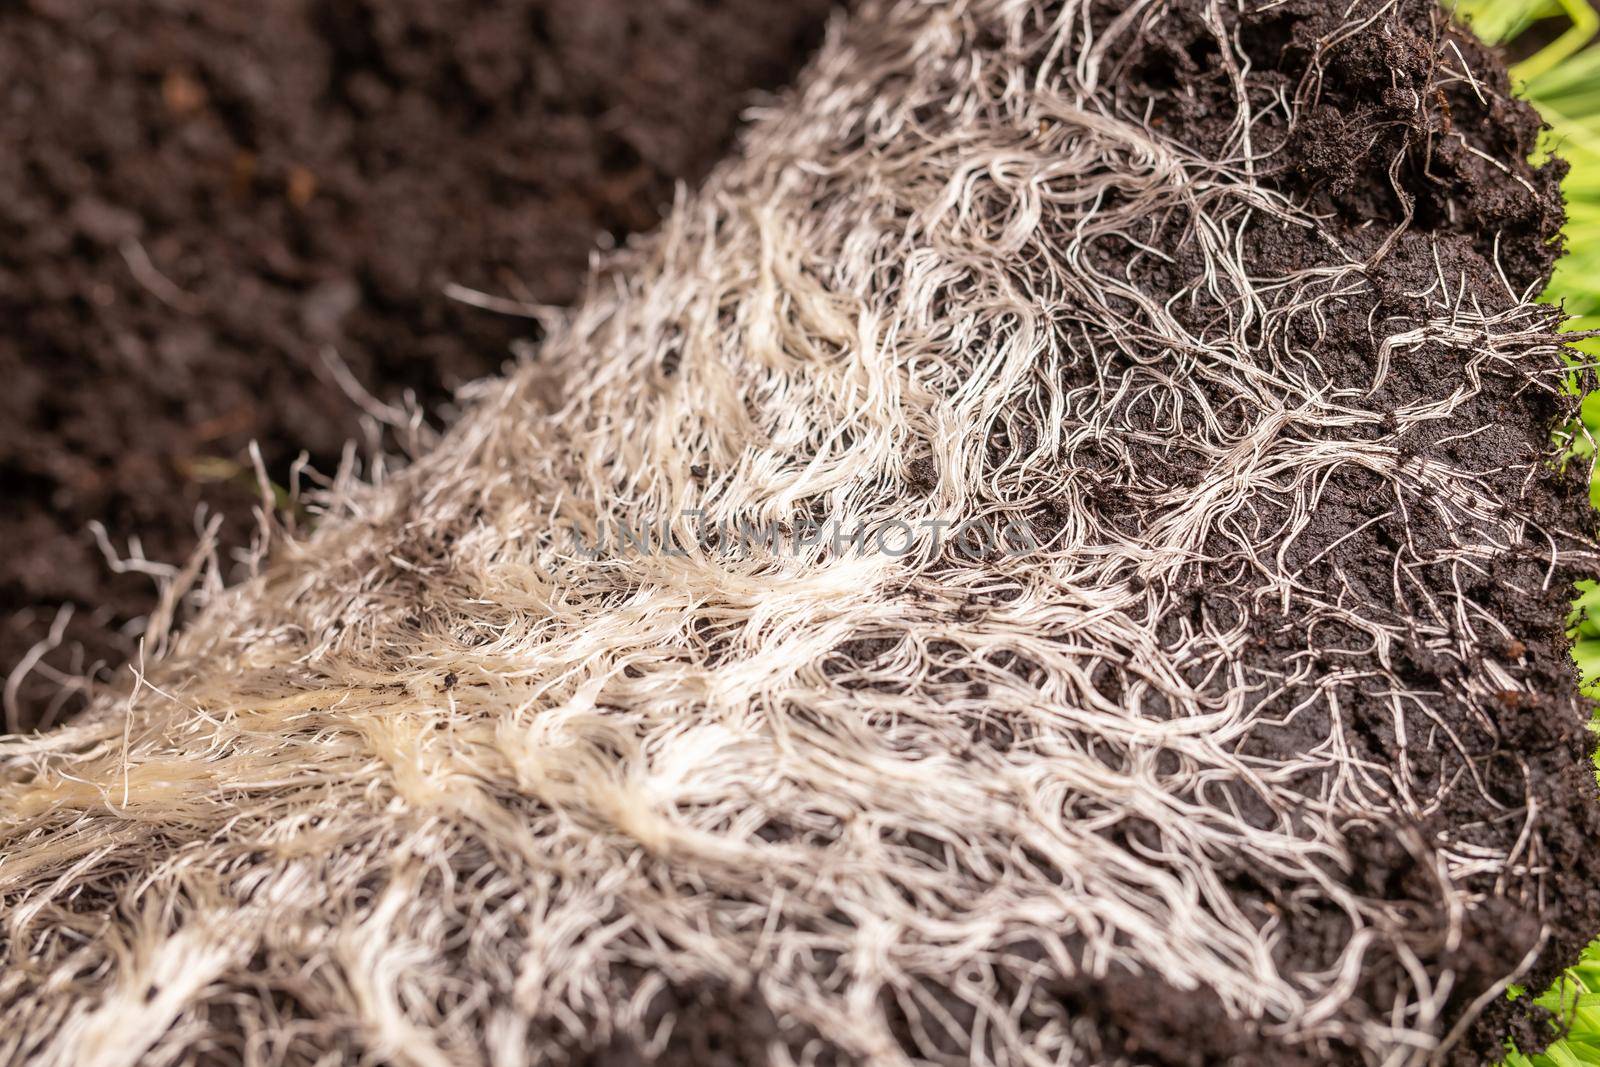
(1271, 752)
(1409, 148)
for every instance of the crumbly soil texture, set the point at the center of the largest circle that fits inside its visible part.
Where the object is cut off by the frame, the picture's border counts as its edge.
(199, 199)
(1411, 148)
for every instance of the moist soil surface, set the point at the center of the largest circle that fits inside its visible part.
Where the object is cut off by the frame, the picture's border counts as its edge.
(202, 198)
(1420, 171)
(1381, 150)
(199, 199)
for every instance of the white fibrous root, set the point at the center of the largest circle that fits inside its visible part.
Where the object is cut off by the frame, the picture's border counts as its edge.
(489, 770)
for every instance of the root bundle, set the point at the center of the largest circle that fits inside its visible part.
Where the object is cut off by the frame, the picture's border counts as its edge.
(1265, 749)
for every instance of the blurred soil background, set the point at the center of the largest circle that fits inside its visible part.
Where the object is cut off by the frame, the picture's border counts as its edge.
(198, 198)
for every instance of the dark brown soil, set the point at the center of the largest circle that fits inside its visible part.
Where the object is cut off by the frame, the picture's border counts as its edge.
(198, 196)
(1383, 139)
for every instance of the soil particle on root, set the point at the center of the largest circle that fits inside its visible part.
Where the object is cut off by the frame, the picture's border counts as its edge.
(1397, 136)
(1271, 754)
(198, 198)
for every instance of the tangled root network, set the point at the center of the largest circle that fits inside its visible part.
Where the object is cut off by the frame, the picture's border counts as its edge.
(1251, 741)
